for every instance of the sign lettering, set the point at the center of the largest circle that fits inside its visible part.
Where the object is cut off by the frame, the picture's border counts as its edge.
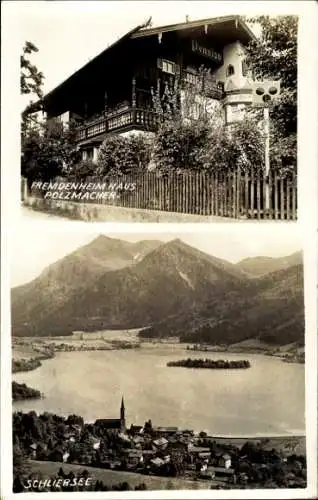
(204, 51)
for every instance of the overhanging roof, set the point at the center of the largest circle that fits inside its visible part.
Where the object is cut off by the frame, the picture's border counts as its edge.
(37, 106)
(240, 26)
(232, 26)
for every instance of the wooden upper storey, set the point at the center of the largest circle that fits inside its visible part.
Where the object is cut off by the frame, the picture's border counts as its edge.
(125, 71)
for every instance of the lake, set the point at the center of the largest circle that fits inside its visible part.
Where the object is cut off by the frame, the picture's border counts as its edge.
(266, 399)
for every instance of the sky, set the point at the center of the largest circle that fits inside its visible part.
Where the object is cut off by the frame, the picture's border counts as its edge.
(36, 244)
(70, 33)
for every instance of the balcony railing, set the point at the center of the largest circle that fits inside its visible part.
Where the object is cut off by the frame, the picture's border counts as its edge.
(142, 119)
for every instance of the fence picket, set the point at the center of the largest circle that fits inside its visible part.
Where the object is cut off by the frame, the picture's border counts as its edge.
(258, 195)
(211, 191)
(282, 199)
(229, 194)
(270, 190)
(238, 193)
(294, 196)
(217, 192)
(252, 188)
(288, 199)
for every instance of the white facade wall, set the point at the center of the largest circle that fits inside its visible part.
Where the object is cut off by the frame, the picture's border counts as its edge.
(213, 107)
(233, 54)
(129, 133)
(234, 103)
(65, 118)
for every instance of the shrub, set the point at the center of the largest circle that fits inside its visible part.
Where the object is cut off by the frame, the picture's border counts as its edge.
(238, 145)
(123, 155)
(83, 169)
(178, 145)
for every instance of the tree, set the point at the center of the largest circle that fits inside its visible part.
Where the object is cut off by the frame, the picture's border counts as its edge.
(21, 468)
(274, 56)
(31, 81)
(49, 151)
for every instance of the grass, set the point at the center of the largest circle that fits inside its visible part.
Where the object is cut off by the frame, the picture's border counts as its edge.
(288, 445)
(46, 469)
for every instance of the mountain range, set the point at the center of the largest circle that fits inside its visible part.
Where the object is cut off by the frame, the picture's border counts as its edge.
(168, 289)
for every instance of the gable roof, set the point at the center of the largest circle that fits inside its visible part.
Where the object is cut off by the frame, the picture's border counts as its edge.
(36, 106)
(233, 24)
(211, 21)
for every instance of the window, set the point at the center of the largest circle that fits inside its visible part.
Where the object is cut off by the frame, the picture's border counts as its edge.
(230, 70)
(89, 154)
(167, 66)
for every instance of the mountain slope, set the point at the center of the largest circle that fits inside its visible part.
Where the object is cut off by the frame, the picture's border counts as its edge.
(271, 310)
(47, 295)
(169, 288)
(258, 266)
(171, 279)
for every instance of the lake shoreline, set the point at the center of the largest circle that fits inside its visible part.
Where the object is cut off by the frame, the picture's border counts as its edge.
(49, 352)
(232, 418)
(50, 349)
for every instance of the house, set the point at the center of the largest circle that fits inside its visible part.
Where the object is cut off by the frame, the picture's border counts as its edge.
(157, 462)
(134, 430)
(75, 429)
(178, 444)
(134, 458)
(148, 455)
(160, 443)
(225, 461)
(165, 431)
(70, 436)
(95, 443)
(199, 450)
(221, 472)
(138, 440)
(243, 478)
(112, 93)
(33, 449)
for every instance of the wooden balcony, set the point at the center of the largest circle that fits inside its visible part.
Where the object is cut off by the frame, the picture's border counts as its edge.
(120, 120)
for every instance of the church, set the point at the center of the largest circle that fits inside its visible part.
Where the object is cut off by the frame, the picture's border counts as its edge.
(115, 424)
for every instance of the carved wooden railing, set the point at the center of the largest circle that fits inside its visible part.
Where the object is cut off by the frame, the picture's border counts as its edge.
(143, 119)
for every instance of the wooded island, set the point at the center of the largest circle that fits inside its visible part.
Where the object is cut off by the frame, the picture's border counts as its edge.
(210, 363)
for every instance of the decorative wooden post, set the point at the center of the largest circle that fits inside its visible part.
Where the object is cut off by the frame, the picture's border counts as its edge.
(133, 92)
(105, 102)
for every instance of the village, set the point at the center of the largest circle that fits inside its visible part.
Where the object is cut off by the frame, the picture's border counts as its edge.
(160, 451)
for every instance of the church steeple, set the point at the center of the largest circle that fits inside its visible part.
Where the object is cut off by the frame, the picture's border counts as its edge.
(122, 415)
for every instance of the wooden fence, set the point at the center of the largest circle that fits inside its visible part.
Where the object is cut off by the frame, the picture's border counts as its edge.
(232, 194)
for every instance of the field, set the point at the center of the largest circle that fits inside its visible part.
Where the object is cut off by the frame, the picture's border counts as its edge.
(288, 445)
(45, 470)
